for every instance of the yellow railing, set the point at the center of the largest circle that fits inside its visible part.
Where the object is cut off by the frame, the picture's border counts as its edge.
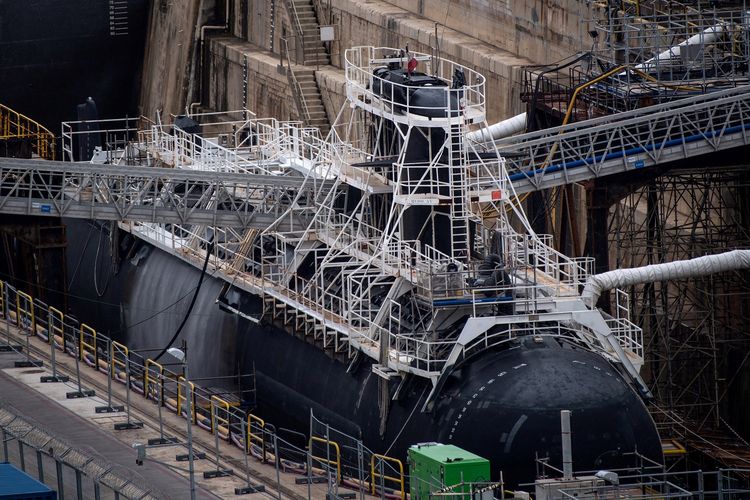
(25, 317)
(154, 375)
(181, 397)
(14, 125)
(114, 363)
(328, 443)
(85, 333)
(147, 382)
(258, 436)
(393, 479)
(220, 423)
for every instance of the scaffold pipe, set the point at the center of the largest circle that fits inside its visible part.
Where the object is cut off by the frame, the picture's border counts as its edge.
(709, 35)
(680, 269)
(505, 128)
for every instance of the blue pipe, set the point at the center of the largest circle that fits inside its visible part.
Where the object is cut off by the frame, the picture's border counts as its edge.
(461, 302)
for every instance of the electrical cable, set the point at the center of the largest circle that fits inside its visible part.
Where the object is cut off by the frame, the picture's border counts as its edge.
(83, 253)
(96, 262)
(192, 302)
(408, 419)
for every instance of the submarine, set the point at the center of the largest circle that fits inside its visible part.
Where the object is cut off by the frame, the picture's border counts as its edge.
(401, 307)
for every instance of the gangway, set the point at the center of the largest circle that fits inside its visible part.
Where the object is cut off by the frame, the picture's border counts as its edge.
(144, 194)
(628, 141)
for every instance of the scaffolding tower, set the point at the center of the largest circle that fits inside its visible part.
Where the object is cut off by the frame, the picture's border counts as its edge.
(696, 330)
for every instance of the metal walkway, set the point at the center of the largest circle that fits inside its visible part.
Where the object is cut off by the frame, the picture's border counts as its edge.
(628, 141)
(144, 194)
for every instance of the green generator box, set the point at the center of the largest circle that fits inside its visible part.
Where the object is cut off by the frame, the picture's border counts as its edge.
(434, 466)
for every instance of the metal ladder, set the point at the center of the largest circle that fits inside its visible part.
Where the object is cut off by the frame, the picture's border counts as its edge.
(458, 160)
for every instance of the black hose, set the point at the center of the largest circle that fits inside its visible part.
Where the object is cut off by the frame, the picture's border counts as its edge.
(192, 302)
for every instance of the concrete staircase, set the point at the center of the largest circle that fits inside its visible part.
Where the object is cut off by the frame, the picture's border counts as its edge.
(313, 101)
(315, 52)
(309, 99)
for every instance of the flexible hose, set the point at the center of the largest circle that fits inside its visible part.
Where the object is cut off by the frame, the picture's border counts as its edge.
(192, 302)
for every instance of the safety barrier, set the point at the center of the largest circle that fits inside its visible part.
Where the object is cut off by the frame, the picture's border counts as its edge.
(181, 388)
(56, 327)
(15, 126)
(114, 363)
(256, 433)
(378, 472)
(327, 458)
(87, 351)
(25, 317)
(220, 423)
(215, 413)
(148, 381)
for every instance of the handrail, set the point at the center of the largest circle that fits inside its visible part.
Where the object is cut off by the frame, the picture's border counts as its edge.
(373, 474)
(328, 443)
(85, 330)
(147, 379)
(220, 424)
(293, 10)
(321, 12)
(181, 397)
(25, 314)
(114, 362)
(52, 329)
(259, 436)
(299, 95)
(14, 125)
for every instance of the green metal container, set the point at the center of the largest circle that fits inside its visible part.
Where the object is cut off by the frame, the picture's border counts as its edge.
(433, 466)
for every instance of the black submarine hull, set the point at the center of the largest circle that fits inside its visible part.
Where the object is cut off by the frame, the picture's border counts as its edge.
(503, 405)
(67, 51)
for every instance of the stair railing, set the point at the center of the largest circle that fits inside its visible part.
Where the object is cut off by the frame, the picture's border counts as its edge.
(297, 92)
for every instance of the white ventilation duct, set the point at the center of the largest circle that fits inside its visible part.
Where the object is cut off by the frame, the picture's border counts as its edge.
(681, 269)
(505, 128)
(709, 35)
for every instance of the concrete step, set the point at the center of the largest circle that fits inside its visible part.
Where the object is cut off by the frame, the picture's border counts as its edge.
(317, 62)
